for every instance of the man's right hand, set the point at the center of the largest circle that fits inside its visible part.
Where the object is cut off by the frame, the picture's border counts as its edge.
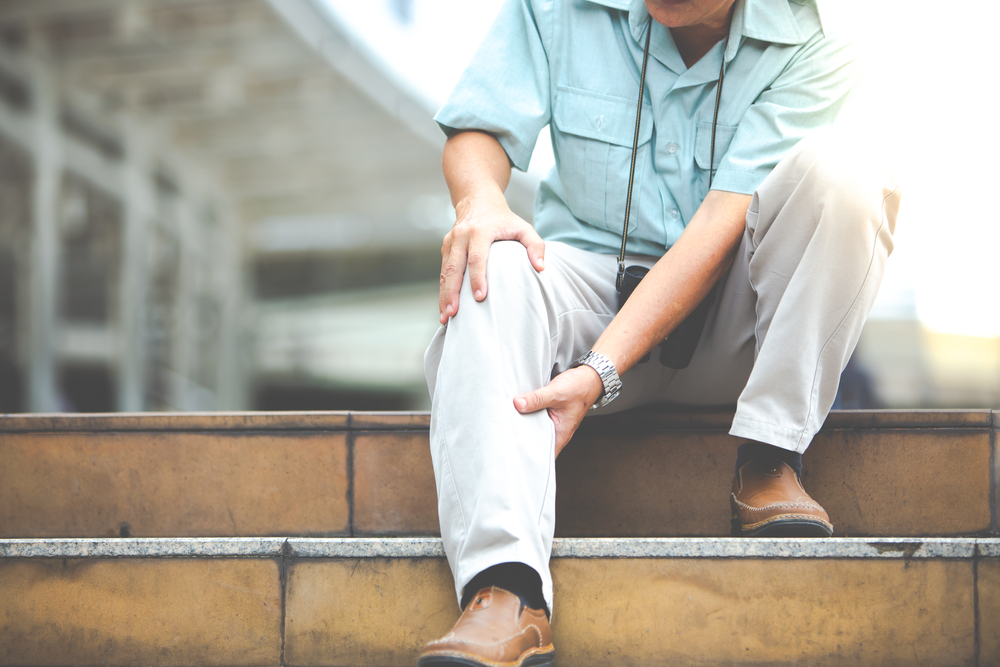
(477, 172)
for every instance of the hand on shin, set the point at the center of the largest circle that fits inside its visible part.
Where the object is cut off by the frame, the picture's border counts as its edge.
(567, 398)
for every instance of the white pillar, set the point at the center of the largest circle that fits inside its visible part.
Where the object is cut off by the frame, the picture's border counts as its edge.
(43, 392)
(233, 392)
(186, 327)
(140, 211)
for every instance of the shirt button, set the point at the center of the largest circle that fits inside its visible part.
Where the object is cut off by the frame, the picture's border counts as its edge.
(674, 213)
(671, 148)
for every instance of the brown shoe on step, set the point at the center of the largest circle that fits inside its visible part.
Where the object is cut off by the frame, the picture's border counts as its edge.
(768, 501)
(495, 630)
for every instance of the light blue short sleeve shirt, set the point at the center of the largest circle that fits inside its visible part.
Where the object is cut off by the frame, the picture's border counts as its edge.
(574, 65)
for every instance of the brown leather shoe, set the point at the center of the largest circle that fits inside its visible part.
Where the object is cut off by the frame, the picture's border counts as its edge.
(495, 630)
(768, 501)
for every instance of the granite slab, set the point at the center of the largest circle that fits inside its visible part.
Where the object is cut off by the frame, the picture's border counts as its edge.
(359, 547)
(431, 547)
(841, 547)
(144, 547)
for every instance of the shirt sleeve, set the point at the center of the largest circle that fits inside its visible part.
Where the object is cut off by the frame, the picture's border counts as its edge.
(806, 96)
(505, 89)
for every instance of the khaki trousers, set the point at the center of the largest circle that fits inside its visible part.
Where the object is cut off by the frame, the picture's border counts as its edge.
(818, 233)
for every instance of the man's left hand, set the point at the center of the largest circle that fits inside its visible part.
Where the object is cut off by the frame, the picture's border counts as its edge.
(567, 397)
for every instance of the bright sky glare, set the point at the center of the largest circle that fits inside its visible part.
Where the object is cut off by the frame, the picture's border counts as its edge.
(928, 96)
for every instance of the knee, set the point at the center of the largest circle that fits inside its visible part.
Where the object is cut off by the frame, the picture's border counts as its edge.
(508, 253)
(855, 180)
(508, 263)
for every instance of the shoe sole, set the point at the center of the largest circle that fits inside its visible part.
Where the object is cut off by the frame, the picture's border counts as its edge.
(543, 660)
(790, 528)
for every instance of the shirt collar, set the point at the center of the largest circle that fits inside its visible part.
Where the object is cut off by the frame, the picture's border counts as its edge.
(766, 20)
(614, 4)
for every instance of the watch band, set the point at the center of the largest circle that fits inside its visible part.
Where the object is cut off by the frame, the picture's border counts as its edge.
(609, 376)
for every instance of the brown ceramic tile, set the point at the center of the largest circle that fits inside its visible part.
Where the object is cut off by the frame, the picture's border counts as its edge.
(618, 477)
(908, 419)
(887, 482)
(394, 491)
(172, 484)
(140, 612)
(654, 419)
(390, 421)
(728, 612)
(654, 612)
(352, 612)
(995, 462)
(988, 583)
(902, 482)
(672, 484)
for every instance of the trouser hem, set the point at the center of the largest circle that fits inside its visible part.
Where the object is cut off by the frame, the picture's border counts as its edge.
(772, 434)
(469, 568)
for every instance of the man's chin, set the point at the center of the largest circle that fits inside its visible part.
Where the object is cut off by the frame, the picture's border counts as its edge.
(670, 13)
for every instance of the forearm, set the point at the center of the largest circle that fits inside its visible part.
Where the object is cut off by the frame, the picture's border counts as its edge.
(474, 165)
(669, 292)
(678, 282)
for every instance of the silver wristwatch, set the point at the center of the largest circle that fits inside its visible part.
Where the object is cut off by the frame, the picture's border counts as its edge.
(609, 376)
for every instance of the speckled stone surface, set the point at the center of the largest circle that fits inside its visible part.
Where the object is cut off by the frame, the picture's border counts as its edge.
(766, 548)
(429, 547)
(400, 547)
(145, 547)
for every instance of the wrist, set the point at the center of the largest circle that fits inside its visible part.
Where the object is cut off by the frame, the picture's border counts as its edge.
(594, 384)
(610, 383)
(487, 195)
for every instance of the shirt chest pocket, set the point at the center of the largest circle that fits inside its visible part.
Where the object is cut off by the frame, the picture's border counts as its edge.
(703, 145)
(594, 146)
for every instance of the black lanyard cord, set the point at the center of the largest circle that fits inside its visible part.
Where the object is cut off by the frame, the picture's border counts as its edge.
(715, 115)
(635, 145)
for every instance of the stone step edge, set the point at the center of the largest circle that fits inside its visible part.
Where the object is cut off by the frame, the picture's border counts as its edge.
(427, 547)
(654, 418)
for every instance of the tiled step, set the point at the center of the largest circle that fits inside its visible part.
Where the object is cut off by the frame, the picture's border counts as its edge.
(350, 602)
(642, 473)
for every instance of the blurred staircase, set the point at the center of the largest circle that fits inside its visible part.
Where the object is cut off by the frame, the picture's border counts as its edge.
(309, 539)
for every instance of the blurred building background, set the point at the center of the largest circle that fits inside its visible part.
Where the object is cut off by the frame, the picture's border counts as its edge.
(210, 204)
(237, 204)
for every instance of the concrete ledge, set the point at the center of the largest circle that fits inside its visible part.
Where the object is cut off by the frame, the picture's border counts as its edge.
(565, 548)
(634, 420)
(175, 421)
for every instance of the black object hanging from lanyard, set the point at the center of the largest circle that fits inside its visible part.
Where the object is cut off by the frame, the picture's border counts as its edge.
(676, 349)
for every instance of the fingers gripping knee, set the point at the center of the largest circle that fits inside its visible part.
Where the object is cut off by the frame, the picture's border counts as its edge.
(507, 268)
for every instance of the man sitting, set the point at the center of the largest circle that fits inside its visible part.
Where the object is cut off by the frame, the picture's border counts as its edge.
(787, 228)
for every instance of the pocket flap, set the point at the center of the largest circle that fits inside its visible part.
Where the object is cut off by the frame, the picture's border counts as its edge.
(601, 117)
(703, 143)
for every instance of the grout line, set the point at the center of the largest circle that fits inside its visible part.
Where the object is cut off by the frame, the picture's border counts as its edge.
(350, 474)
(994, 528)
(286, 551)
(975, 608)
